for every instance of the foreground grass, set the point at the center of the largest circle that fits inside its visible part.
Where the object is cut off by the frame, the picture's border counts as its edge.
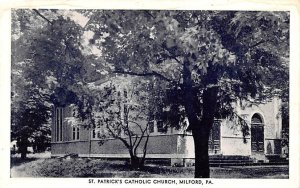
(79, 167)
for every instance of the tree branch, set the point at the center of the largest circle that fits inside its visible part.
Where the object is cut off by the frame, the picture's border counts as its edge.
(260, 42)
(118, 137)
(145, 148)
(148, 13)
(38, 13)
(153, 73)
(126, 112)
(140, 127)
(135, 139)
(141, 138)
(50, 22)
(172, 56)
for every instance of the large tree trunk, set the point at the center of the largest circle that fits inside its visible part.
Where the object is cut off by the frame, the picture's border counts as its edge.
(200, 130)
(23, 154)
(23, 148)
(200, 136)
(200, 116)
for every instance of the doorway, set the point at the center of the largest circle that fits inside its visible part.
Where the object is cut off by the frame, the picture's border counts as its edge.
(257, 134)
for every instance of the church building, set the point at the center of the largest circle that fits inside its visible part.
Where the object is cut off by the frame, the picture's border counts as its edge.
(226, 138)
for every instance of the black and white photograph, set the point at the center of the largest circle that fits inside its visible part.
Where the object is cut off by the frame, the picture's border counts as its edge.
(150, 96)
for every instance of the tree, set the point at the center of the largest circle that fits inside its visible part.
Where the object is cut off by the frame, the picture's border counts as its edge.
(40, 72)
(123, 108)
(57, 56)
(30, 114)
(211, 59)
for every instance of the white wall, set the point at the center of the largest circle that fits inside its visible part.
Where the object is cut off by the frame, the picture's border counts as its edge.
(231, 134)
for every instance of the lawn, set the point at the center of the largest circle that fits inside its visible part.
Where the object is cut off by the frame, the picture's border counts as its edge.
(83, 167)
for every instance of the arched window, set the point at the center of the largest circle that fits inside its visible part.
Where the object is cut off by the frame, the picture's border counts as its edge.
(256, 119)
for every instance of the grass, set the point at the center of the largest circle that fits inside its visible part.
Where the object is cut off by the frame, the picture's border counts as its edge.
(83, 167)
(92, 168)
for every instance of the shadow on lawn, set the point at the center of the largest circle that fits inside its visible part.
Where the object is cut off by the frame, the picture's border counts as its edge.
(101, 168)
(167, 169)
(17, 161)
(110, 170)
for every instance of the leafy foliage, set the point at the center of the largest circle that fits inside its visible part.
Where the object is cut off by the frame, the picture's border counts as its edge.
(29, 113)
(233, 51)
(209, 59)
(45, 60)
(123, 108)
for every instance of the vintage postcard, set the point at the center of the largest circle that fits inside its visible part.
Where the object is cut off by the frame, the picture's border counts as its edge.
(130, 94)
